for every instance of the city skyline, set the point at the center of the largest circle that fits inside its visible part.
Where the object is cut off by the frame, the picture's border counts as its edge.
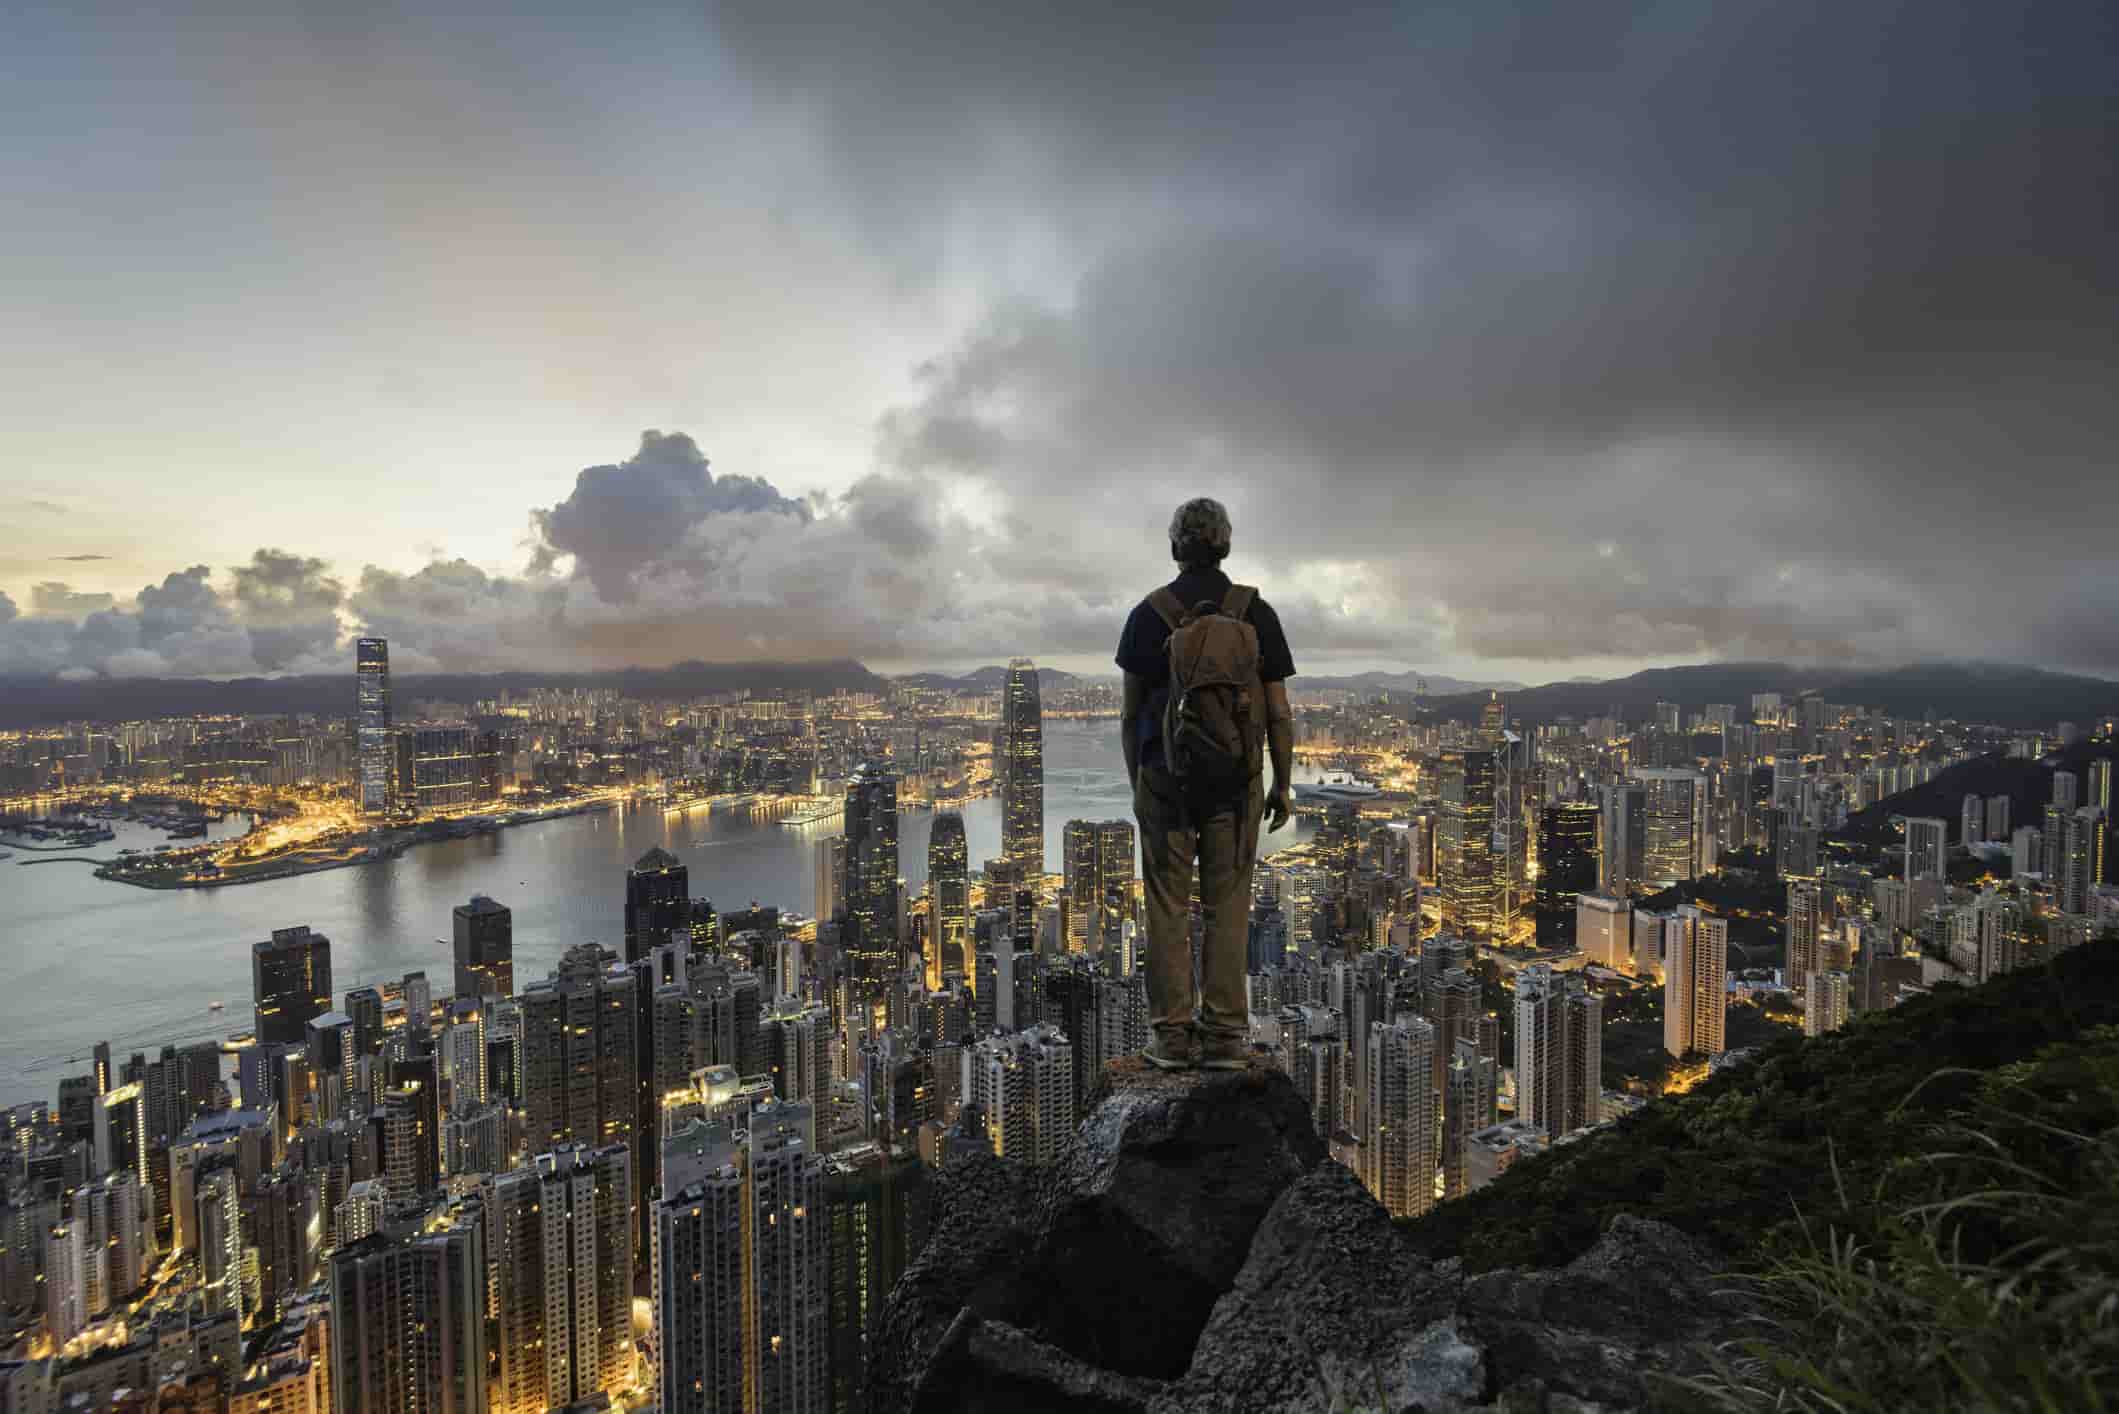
(572, 837)
(1669, 371)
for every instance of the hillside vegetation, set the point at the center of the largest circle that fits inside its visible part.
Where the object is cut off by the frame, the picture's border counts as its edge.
(1743, 1160)
(1926, 1204)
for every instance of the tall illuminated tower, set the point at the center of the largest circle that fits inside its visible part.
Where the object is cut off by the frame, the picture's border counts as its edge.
(1465, 847)
(371, 667)
(1019, 767)
(872, 882)
(948, 885)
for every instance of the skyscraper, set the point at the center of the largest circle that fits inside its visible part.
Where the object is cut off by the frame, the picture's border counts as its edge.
(657, 902)
(830, 857)
(1622, 839)
(408, 1319)
(949, 891)
(1567, 867)
(1398, 1142)
(1097, 858)
(1805, 930)
(1464, 852)
(1695, 981)
(485, 949)
(561, 1253)
(372, 736)
(1674, 802)
(871, 890)
(742, 1269)
(1019, 768)
(1114, 866)
(290, 983)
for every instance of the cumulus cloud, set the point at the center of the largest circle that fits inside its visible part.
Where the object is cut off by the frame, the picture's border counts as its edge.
(648, 513)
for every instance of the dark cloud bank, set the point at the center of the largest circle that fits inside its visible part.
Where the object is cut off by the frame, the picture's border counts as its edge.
(1523, 333)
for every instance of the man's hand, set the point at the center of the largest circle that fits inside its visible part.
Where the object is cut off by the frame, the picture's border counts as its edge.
(1277, 808)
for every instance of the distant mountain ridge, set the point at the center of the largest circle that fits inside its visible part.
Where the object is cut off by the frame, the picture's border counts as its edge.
(1997, 693)
(44, 701)
(1436, 684)
(1981, 692)
(988, 679)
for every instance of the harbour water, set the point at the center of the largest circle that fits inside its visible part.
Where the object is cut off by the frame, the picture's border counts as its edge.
(89, 960)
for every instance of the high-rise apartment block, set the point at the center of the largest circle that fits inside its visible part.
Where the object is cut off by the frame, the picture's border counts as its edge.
(1024, 1085)
(1559, 1051)
(408, 1321)
(559, 1240)
(1825, 1003)
(1927, 849)
(1399, 1142)
(743, 1268)
(1695, 982)
(1019, 768)
(580, 1063)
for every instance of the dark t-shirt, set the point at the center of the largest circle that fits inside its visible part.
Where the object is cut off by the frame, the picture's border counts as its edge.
(1142, 649)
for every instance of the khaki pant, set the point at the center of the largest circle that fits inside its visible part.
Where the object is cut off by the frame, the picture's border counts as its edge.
(1225, 850)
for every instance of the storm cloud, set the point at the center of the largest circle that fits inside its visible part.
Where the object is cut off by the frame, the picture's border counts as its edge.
(1642, 332)
(1519, 338)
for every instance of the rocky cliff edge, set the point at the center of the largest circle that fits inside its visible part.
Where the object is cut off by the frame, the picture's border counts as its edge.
(1195, 1250)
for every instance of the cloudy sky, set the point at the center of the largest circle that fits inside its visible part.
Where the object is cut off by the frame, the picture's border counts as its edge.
(1522, 340)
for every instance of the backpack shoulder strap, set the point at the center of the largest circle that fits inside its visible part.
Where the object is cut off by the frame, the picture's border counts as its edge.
(1166, 605)
(1237, 602)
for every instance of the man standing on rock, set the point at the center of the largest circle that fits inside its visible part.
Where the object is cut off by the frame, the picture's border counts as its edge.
(1206, 666)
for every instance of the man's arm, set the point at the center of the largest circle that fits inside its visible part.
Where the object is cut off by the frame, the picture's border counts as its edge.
(1280, 745)
(1129, 724)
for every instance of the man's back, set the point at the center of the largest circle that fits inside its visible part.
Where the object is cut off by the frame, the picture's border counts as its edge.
(1143, 649)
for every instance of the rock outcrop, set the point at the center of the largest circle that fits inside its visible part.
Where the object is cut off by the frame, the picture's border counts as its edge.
(1194, 1250)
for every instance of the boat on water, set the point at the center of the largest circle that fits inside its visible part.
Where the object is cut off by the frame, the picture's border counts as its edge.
(213, 1006)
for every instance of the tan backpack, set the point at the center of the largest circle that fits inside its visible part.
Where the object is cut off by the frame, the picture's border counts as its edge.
(1214, 722)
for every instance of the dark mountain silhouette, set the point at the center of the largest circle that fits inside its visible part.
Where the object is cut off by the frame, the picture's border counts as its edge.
(1974, 692)
(988, 679)
(29, 702)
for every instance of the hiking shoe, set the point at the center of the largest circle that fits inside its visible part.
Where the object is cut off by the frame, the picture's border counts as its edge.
(1227, 1053)
(1164, 1056)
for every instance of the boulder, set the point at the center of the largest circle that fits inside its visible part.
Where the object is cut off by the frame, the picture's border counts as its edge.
(1637, 1303)
(978, 1261)
(1147, 1217)
(1331, 1311)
